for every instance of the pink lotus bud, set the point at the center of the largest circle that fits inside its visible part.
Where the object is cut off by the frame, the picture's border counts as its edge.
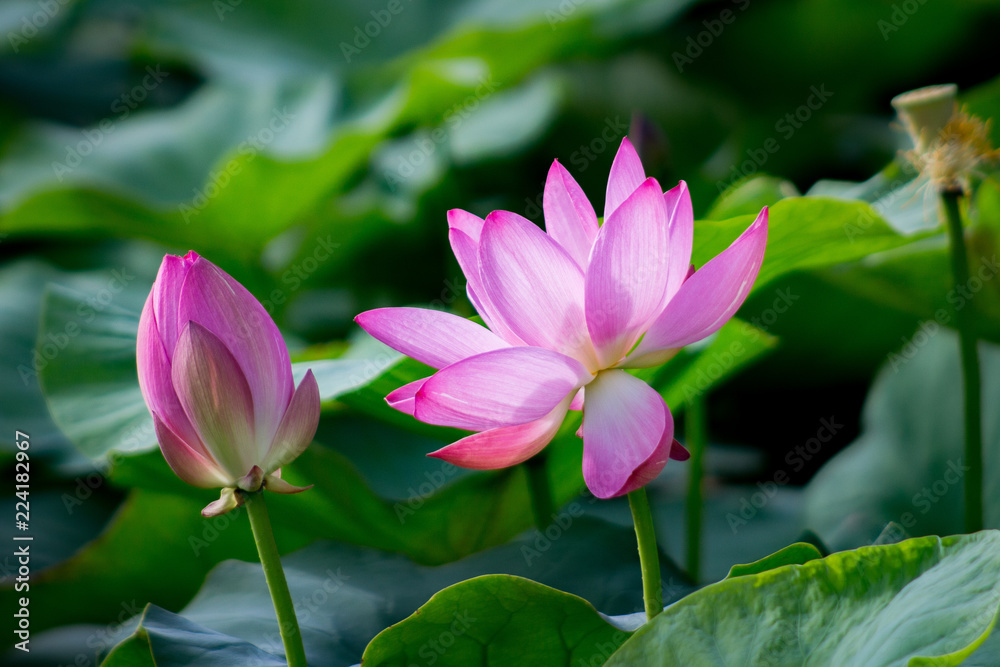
(217, 379)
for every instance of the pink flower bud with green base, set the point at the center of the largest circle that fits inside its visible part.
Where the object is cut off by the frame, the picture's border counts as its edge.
(216, 376)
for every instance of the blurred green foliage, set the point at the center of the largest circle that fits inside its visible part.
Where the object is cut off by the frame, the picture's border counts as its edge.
(312, 149)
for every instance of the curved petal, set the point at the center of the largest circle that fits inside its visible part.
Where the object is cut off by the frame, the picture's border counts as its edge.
(156, 382)
(297, 427)
(627, 277)
(214, 300)
(216, 398)
(467, 253)
(650, 469)
(192, 467)
(252, 481)
(165, 297)
(403, 399)
(569, 216)
(627, 434)
(506, 445)
(432, 337)
(536, 288)
(228, 500)
(680, 234)
(679, 452)
(500, 388)
(465, 222)
(711, 296)
(275, 484)
(626, 175)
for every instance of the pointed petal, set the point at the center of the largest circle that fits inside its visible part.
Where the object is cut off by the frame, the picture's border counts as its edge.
(627, 433)
(626, 175)
(500, 388)
(710, 297)
(165, 297)
(577, 403)
(467, 253)
(536, 288)
(216, 398)
(277, 485)
(221, 305)
(506, 445)
(679, 452)
(156, 382)
(569, 216)
(402, 399)
(252, 481)
(465, 222)
(627, 276)
(191, 466)
(430, 336)
(228, 500)
(681, 236)
(298, 426)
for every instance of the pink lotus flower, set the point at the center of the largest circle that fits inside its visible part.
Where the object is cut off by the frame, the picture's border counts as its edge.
(568, 311)
(216, 376)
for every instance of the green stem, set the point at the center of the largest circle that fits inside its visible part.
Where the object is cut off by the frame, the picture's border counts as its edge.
(538, 488)
(295, 654)
(696, 429)
(649, 556)
(971, 384)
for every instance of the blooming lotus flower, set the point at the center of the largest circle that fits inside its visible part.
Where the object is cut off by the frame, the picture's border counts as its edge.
(216, 376)
(567, 311)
